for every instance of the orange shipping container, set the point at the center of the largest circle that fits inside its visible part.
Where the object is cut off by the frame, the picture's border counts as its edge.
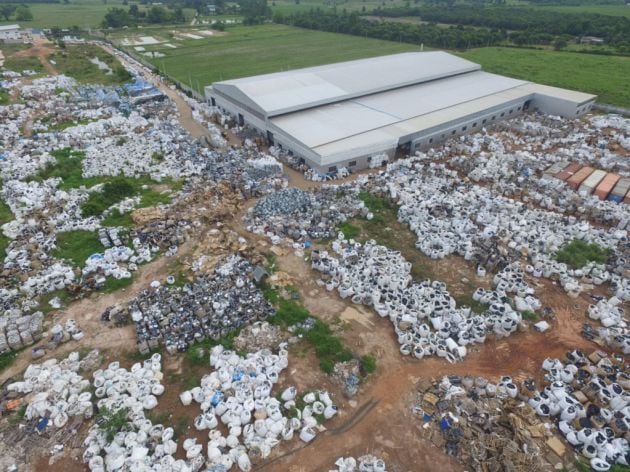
(568, 171)
(606, 185)
(579, 177)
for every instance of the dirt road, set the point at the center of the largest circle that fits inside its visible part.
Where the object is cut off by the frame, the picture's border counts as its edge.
(195, 129)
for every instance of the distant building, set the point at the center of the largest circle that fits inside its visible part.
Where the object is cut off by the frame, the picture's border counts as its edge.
(10, 33)
(591, 40)
(350, 114)
(212, 9)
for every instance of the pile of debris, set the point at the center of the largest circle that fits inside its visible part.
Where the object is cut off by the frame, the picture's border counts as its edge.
(589, 396)
(238, 394)
(367, 463)
(426, 318)
(482, 424)
(296, 216)
(257, 336)
(56, 391)
(211, 307)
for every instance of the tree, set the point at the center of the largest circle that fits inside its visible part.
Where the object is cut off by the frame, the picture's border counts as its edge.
(23, 13)
(6, 11)
(559, 44)
(133, 10)
(116, 18)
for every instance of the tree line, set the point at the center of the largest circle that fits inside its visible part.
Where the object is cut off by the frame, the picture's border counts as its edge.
(119, 17)
(456, 37)
(615, 30)
(10, 11)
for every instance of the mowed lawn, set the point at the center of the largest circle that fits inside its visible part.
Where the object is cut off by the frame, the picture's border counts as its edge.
(605, 76)
(252, 50)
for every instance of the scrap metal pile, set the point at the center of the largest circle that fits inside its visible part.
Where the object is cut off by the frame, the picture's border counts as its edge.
(296, 216)
(210, 307)
(483, 424)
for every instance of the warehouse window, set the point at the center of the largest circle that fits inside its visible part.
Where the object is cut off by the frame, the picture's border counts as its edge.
(453, 132)
(503, 114)
(213, 102)
(484, 121)
(493, 117)
(430, 140)
(332, 169)
(475, 124)
(443, 136)
(518, 109)
(464, 128)
(352, 164)
(511, 110)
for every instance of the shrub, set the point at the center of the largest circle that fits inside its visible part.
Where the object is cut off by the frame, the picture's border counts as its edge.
(578, 253)
(368, 362)
(111, 422)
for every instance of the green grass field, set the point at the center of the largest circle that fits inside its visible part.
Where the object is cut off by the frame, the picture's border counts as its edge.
(263, 49)
(82, 13)
(605, 76)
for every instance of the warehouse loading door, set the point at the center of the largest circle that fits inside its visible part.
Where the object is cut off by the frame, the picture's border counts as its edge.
(241, 120)
(270, 138)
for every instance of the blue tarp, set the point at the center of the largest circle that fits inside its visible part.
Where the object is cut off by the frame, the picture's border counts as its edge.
(41, 426)
(444, 424)
(217, 398)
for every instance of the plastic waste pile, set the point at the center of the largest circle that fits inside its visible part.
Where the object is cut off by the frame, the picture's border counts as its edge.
(610, 314)
(18, 330)
(367, 463)
(202, 113)
(238, 394)
(212, 306)
(140, 444)
(520, 175)
(425, 317)
(589, 398)
(450, 217)
(57, 391)
(293, 216)
(484, 425)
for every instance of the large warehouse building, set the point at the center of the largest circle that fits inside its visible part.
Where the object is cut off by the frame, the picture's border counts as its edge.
(352, 113)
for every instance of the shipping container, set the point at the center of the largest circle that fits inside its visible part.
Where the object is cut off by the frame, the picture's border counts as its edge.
(606, 185)
(580, 176)
(568, 171)
(592, 181)
(557, 167)
(620, 190)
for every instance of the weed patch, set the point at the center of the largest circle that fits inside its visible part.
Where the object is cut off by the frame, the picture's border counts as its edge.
(77, 246)
(578, 253)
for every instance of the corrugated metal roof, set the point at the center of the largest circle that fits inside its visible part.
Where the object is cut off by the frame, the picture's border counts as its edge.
(564, 94)
(9, 27)
(328, 124)
(284, 92)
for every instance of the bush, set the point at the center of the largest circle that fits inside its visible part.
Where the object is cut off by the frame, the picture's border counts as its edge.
(349, 230)
(578, 253)
(368, 362)
(113, 192)
(529, 315)
(111, 422)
